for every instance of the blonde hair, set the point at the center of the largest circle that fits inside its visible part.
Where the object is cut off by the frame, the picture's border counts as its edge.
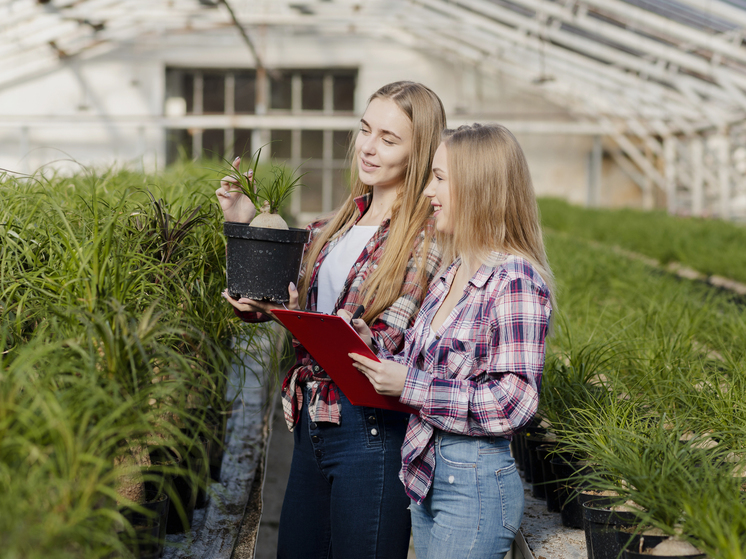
(410, 210)
(493, 205)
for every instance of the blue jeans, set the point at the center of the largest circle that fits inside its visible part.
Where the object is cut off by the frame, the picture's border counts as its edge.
(475, 505)
(344, 498)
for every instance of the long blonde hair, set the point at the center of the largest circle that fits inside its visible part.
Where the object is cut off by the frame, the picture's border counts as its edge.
(492, 199)
(410, 210)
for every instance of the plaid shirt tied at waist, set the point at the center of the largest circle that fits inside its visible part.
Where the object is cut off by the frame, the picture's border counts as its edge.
(482, 374)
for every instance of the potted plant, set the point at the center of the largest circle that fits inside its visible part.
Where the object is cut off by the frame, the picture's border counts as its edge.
(264, 256)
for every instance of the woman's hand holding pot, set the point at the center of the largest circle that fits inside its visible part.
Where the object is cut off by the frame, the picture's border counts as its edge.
(264, 307)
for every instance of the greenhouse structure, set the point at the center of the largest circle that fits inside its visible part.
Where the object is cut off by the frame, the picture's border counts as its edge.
(128, 388)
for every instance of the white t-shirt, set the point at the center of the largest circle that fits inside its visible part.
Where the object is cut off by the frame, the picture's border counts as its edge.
(336, 266)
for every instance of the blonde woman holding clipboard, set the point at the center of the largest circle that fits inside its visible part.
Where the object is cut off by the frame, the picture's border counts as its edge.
(473, 360)
(343, 498)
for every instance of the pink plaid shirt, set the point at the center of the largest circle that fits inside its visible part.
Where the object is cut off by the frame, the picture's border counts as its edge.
(388, 328)
(482, 373)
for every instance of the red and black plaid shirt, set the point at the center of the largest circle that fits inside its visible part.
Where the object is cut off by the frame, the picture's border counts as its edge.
(388, 328)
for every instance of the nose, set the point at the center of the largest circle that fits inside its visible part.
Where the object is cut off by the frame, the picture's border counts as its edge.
(369, 144)
(430, 188)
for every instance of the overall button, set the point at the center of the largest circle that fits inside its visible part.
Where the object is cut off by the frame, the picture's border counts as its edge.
(319, 453)
(372, 419)
(315, 438)
(374, 432)
(313, 425)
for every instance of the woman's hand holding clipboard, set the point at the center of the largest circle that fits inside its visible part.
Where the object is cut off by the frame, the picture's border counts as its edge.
(331, 341)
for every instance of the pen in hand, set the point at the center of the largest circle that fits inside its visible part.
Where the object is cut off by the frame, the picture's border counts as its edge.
(358, 313)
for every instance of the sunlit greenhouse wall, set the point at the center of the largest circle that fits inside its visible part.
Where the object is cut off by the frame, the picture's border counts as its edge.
(120, 108)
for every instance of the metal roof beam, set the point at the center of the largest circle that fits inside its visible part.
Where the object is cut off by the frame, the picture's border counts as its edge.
(598, 50)
(668, 29)
(719, 9)
(513, 32)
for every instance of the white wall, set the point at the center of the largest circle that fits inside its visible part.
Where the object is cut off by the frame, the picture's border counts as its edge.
(109, 110)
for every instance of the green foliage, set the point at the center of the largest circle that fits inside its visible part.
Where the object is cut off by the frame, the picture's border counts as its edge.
(645, 378)
(112, 329)
(709, 246)
(273, 187)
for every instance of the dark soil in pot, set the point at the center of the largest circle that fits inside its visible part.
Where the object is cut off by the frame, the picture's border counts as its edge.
(601, 524)
(262, 262)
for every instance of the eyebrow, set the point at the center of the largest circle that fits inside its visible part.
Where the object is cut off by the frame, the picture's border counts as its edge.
(385, 132)
(438, 170)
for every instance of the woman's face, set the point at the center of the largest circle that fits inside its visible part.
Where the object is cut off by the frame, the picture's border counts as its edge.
(383, 144)
(439, 192)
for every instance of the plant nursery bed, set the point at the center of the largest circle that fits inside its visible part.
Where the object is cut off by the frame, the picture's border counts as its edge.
(216, 527)
(544, 533)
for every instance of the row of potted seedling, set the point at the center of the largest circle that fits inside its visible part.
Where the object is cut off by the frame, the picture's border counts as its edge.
(642, 408)
(115, 351)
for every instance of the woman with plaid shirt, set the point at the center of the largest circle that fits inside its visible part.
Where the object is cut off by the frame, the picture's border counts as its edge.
(473, 360)
(344, 498)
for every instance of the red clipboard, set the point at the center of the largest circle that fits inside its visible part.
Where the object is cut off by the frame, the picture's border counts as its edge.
(329, 338)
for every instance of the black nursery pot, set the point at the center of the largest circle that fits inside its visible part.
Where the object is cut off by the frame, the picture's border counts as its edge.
(651, 543)
(571, 510)
(150, 529)
(629, 541)
(262, 262)
(601, 525)
(535, 437)
(178, 484)
(544, 454)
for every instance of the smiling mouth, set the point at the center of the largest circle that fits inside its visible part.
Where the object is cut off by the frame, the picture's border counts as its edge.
(368, 165)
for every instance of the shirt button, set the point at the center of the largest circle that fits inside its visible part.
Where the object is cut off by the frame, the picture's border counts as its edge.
(374, 432)
(372, 419)
(313, 425)
(316, 368)
(315, 438)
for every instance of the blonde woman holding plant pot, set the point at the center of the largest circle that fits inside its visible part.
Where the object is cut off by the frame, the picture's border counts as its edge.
(473, 360)
(344, 498)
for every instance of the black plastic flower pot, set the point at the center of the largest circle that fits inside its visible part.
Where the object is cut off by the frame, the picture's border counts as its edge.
(601, 524)
(567, 489)
(544, 454)
(629, 541)
(179, 484)
(643, 552)
(262, 262)
(149, 528)
(535, 437)
(217, 420)
(198, 463)
(518, 443)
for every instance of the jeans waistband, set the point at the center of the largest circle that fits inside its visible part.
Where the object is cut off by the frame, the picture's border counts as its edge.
(489, 439)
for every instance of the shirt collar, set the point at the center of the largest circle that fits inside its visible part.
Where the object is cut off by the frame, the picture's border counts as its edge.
(363, 203)
(484, 273)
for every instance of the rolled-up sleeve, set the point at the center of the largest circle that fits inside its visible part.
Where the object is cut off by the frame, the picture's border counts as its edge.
(492, 383)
